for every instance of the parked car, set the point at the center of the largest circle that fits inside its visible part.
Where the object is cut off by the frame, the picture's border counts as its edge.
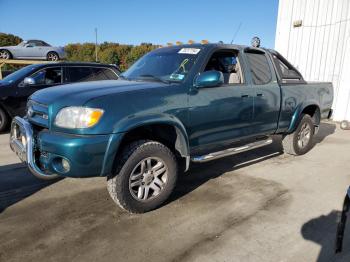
(174, 106)
(32, 49)
(18, 86)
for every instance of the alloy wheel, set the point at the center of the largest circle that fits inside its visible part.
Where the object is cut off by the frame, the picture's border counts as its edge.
(4, 55)
(304, 135)
(52, 57)
(148, 179)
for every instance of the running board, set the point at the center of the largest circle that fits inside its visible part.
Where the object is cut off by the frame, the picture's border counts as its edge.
(231, 151)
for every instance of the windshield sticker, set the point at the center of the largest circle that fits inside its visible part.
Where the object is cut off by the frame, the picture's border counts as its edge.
(190, 51)
(177, 76)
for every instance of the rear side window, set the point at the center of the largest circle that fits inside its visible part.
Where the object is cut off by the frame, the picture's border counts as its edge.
(104, 74)
(79, 74)
(287, 73)
(259, 67)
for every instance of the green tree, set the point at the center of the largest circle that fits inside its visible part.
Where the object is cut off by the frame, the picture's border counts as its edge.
(9, 39)
(109, 56)
(137, 52)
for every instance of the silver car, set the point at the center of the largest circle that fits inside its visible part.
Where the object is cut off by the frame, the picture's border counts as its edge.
(32, 49)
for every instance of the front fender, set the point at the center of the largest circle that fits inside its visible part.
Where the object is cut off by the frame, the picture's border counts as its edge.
(130, 123)
(125, 125)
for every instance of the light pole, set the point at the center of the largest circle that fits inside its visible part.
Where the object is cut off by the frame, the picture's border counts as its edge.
(96, 44)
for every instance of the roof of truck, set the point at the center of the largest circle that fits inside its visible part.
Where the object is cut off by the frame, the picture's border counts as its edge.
(216, 45)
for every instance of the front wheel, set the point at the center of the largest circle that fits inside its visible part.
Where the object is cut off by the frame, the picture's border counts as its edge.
(145, 177)
(300, 141)
(4, 54)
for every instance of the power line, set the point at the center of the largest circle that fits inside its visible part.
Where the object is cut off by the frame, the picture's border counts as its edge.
(234, 36)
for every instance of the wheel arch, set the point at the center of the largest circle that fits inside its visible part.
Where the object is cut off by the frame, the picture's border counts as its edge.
(4, 108)
(311, 108)
(165, 129)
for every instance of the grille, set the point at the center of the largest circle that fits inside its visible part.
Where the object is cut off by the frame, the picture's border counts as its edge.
(38, 114)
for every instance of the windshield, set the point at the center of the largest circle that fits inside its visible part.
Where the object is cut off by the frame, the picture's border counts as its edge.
(19, 74)
(22, 43)
(166, 65)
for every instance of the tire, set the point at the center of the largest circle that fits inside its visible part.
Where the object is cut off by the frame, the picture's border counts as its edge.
(132, 177)
(52, 56)
(5, 54)
(345, 125)
(293, 143)
(4, 120)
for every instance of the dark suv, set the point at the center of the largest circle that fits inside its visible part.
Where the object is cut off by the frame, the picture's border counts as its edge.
(18, 86)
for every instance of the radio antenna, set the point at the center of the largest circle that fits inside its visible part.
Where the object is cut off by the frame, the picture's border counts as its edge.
(234, 36)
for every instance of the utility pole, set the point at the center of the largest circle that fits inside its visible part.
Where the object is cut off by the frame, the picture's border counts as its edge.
(96, 44)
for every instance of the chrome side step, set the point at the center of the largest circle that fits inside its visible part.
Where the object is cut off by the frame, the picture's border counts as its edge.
(231, 151)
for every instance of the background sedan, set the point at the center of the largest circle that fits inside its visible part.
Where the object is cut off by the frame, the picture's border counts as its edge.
(32, 49)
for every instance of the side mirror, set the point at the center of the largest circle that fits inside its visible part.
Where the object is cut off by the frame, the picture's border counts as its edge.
(28, 45)
(28, 81)
(209, 79)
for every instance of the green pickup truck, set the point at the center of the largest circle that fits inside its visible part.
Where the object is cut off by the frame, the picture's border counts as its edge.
(174, 106)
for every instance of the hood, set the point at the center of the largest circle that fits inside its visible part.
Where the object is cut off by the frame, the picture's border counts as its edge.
(81, 93)
(3, 84)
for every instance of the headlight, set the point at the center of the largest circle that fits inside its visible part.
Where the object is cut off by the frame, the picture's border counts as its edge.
(78, 117)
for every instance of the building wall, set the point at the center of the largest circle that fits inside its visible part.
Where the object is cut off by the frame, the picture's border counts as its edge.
(320, 47)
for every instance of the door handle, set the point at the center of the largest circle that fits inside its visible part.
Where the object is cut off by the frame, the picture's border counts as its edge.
(260, 95)
(244, 96)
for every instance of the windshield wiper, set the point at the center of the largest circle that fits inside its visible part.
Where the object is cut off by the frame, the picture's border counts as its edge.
(155, 78)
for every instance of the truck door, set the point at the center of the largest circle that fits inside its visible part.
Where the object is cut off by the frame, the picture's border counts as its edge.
(266, 92)
(223, 114)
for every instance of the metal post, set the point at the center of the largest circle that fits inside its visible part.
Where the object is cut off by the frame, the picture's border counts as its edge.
(96, 44)
(1, 70)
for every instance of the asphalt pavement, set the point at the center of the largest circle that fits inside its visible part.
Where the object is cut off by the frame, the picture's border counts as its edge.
(261, 205)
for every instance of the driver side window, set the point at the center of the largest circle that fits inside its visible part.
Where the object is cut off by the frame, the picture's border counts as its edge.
(48, 76)
(31, 44)
(227, 62)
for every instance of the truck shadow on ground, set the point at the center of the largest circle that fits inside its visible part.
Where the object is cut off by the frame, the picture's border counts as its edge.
(16, 183)
(322, 230)
(211, 170)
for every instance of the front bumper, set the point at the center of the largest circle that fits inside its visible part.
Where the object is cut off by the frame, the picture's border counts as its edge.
(44, 151)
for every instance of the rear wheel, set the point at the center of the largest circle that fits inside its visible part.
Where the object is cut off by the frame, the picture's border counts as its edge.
(52, 56)
(145, 177)
(4, 120)
(4, 54)
(300, 141)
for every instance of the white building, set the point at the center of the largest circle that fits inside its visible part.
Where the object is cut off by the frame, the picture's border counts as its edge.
(314, 35)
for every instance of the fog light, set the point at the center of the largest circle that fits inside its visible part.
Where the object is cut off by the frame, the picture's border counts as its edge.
(65, 165)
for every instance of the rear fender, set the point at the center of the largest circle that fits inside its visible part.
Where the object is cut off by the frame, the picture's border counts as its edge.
(296, 118)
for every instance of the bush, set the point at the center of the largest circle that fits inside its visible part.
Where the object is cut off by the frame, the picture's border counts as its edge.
(108, 52)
